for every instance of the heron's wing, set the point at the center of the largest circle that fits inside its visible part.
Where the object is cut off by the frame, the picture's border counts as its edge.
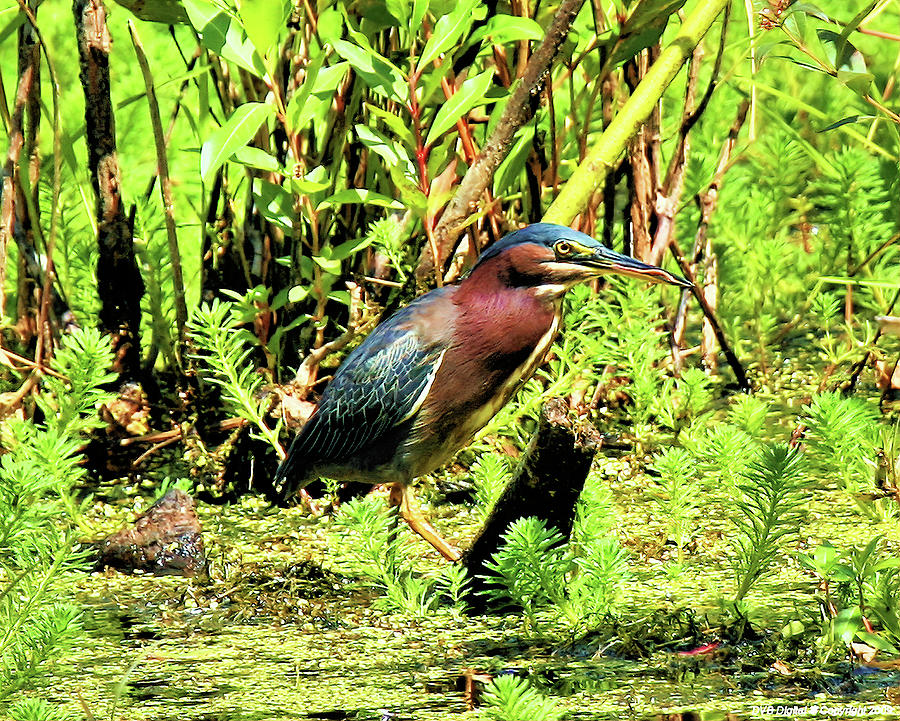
(379, 386)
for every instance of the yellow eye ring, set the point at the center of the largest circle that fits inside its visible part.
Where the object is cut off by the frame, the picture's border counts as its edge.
(563, 248)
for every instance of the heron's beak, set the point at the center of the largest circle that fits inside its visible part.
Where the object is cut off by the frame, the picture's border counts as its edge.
(608, 261)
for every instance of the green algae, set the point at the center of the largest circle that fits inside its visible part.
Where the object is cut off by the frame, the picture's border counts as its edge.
(273, 633)
(281, 629)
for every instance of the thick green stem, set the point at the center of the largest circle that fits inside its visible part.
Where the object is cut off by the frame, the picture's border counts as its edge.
(593, 170)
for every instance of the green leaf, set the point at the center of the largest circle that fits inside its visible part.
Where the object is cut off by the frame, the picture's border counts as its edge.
(376, 71)
(264, 22)
(395, 123)
(847, 121)
(393, 154)
(852, 26)
(331, 25)
(858, 82)
(419, 8)
(235, 133)
(502, 29)
(257, 158)
(847, 624)
(449, 29)
(223, 34)
(356, 195)
(298, 293)
(339, 296)
(298, 101)
(646, 12)
(314, 181)
(329, 265)
(841, 54)
(643, 28)
(514, 162)
(348, 248)
(876, 641)
(842, 572)
(275, 204)
(400, 10)
(470, 94)
(808, 9)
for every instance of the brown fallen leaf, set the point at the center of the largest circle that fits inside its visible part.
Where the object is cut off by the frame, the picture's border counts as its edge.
(782, 668)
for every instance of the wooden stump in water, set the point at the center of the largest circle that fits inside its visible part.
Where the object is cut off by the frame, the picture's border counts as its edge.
(546, 484)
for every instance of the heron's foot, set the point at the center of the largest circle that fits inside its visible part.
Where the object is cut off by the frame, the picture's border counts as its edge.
(402, 495)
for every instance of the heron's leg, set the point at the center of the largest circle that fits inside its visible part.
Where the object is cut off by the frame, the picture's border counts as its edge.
(402, 495)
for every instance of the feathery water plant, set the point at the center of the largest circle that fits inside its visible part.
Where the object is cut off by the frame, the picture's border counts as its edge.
(748, 413)
(530, 568)
(509, 698)
(678, 495)
(767, 512)
(36, 709)
(74, 393)
(575, 582)
(223, 352)
(683, 400)
(853, 206)
(380, 550)
(841, 439)
(38, 513)
(490, 474)
(722, 453)
(389, 237)
(596, 585)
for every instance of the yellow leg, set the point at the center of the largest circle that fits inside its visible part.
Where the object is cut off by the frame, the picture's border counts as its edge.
(402, 495)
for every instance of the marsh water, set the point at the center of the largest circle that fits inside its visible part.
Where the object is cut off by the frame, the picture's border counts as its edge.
(278, 631)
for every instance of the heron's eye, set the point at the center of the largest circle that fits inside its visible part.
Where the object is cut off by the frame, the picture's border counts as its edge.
(563, 248)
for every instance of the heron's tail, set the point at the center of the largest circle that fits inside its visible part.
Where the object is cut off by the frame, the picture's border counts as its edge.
(290, 477)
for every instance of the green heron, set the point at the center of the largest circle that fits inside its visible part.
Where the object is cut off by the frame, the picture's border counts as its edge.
(428, 378)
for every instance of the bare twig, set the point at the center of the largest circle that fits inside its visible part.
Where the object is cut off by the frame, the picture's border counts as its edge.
(308, 369)
(229, 424)
(710, 315)
(165, 186)
(9, 359)
(708, 202)
(673, 184)
(516, 113)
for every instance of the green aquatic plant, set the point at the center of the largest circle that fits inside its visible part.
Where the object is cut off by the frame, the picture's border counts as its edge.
(575, 582)
(380, 550)
(509, 698)
(36, 709)
(678, 495)
(748, 413)
(40, 517)
(490, 475)
(722, 453)
(223, 350)
(861, 596)
(766, 512)
(843, 441)
(683, 400)
(530, 568)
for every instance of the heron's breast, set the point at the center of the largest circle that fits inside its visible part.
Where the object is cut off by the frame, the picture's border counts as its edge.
(487, 362)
